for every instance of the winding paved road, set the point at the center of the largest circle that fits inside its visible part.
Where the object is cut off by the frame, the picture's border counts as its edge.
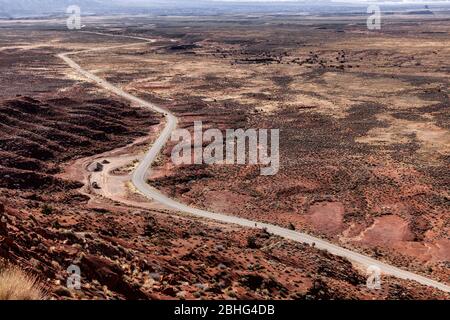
(139, 178)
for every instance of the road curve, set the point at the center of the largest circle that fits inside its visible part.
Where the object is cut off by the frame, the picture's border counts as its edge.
(139, 178)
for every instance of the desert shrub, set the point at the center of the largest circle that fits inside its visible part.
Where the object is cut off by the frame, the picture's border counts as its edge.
(47, 209)
(16, 284)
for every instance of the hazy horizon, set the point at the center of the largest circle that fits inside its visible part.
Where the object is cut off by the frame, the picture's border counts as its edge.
(25, 8)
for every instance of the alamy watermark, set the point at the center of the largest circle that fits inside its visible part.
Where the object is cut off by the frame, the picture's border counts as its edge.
(374, 280)
(374, 20)
(238, 146)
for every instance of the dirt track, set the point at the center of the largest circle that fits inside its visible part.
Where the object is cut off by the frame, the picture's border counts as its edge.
(139, 180)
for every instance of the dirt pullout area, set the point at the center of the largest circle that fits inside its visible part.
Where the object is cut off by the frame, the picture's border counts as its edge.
(364, 120)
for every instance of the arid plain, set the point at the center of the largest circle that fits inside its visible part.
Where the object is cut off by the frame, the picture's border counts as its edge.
(364, 154)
